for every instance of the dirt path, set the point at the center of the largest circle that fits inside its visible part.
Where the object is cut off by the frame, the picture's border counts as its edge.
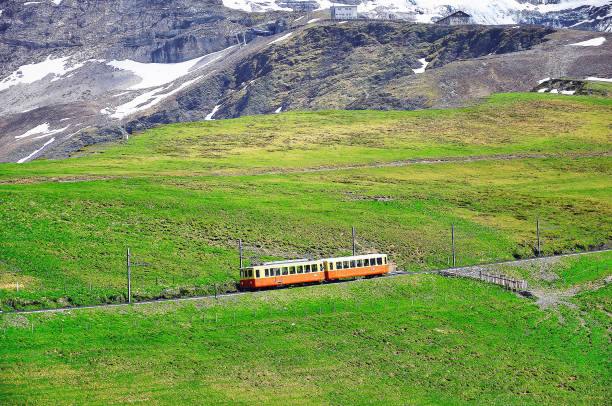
(426, 161)
(545, 298)
(406, 162)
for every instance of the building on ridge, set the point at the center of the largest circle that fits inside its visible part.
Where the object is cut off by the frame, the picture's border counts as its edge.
(457, 18)
(343, 12)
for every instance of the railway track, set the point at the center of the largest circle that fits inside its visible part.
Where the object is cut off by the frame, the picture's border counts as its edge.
(455, 271)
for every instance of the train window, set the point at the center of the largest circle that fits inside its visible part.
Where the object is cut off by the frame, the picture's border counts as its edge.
(306, 268)
(366, 262)
(331, 266)
(300, 269)
(359, 263)
(379, 261)
(385, 260)
(278, 271)
(345, 264)
(266, 272)
(285, 271)
(291, 270)
(250, 273)
(353, 264)
(257, 273)
(338, 265)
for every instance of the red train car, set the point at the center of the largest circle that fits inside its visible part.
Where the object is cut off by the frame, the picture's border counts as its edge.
(299, 271)
(281, 273)
(353, 266)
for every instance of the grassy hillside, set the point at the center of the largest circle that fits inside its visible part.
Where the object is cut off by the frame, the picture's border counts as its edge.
(416, 339)
(161, 201)
(525, 123)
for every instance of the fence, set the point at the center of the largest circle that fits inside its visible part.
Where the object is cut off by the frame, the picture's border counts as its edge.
(517, 285)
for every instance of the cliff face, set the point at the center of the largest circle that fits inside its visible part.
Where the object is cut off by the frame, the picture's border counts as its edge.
(141, 30)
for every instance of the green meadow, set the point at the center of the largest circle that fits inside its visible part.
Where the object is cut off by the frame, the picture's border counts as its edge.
(418, 339)
(506, 124)
(292, 185)
(181, 196)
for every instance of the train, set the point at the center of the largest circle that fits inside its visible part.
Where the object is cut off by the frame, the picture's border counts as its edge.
(306, 271)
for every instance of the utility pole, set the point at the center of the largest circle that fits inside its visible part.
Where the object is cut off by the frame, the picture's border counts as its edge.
(129, 277)
(130, 265)
(240, 249)
(353, 230)
(538, 232)
(453, 241)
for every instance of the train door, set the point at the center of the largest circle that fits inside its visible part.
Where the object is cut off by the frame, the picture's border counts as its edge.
(278, 278)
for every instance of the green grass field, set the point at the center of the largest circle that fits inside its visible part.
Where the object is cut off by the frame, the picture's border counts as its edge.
(418, 339)
(163, 200)
(292, 185)
(522, 123)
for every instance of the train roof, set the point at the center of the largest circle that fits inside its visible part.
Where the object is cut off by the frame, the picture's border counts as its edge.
(285, 262)
(354, 257)
(304, 260)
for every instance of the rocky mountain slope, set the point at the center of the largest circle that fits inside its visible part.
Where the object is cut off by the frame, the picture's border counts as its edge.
(78, 73)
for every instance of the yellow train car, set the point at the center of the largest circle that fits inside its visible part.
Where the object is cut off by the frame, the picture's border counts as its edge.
(280, 273)
(357, 265)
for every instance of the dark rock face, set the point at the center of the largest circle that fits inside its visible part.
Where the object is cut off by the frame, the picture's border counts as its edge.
(84, 139)
(473, 43)
(349, 64)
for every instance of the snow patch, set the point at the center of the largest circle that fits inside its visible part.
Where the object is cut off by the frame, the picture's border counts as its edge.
(36, 130)
(543, 80)
(56, 2)
(22, 160)
(260, 5)
(158, 74)
(278, 110)
(568, 92)
(28, 3)
(543, 90)
(298, 19)
(40, 129)
(342, 22)
(595, 79)
(554, 91)
(31, 73)
(144, 101)
(210, 115)
(594, 42)
(424, 64)
(284, 37)
(314, 20)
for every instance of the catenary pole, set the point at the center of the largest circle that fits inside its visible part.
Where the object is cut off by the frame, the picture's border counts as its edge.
(453, 241)
(129, 277)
